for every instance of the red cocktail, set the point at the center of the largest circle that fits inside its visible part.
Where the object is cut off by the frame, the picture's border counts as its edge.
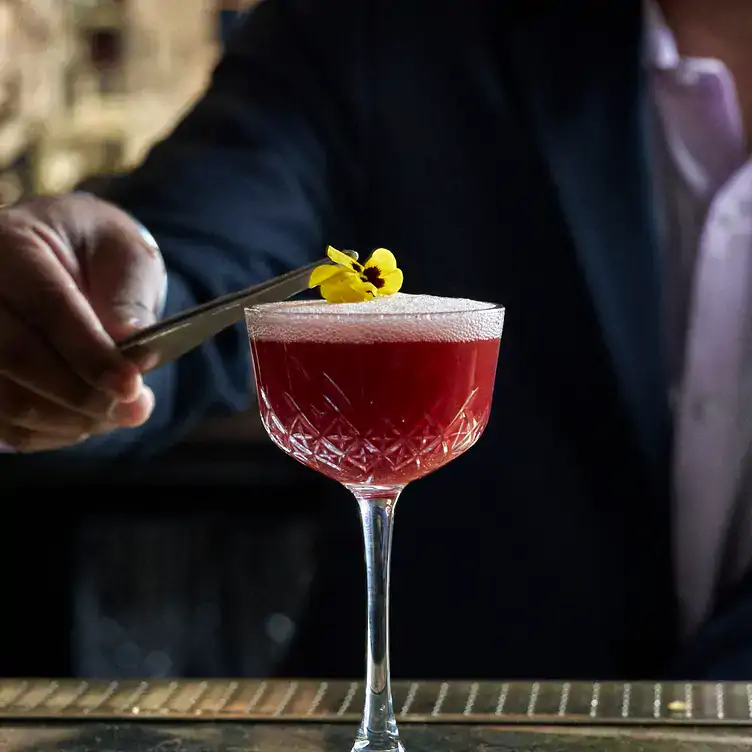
(375, 395)
(380, 413)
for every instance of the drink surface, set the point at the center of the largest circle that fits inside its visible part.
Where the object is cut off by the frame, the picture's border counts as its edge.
(372, 399)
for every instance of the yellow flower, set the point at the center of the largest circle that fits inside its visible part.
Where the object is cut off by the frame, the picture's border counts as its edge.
(350, 282)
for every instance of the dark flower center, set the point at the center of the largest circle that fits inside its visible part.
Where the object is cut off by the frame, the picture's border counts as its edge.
(372, 275)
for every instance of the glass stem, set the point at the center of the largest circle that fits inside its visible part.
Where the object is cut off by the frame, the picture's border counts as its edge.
(378, 730)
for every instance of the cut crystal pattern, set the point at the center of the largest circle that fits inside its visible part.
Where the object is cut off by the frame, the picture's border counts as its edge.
(322, 438)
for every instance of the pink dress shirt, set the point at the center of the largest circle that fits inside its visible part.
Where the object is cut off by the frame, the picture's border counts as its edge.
(704, 178)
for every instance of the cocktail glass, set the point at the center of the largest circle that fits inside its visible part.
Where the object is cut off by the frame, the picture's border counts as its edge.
(375, 399)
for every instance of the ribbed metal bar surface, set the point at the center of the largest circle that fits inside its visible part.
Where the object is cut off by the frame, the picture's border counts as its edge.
(421, 702)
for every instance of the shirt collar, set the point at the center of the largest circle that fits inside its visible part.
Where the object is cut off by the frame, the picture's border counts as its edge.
(661, 51)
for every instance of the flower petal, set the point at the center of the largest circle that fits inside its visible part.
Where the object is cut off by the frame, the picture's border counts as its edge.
(347, 282)
(349, 290)
(342, 259)
(383, 260)
(352, 295)
(392, 282)
(321, 273)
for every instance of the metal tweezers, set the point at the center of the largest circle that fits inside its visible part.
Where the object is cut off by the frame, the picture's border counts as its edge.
(173, 337)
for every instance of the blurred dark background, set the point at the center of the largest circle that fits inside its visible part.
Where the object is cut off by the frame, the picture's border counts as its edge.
(102, 574)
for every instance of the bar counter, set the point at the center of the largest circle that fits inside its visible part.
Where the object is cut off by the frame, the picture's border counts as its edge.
(308, 716)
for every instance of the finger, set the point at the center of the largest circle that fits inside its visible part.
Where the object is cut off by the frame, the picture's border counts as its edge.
(132, 414)
(23, 408)
(145, 359)
(35, 375)
(129, 414)
(25, 441)
(27, 359)
(58, 311)
(126, 277)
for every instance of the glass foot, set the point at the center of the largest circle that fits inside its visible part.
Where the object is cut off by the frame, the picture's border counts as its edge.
(378, 743)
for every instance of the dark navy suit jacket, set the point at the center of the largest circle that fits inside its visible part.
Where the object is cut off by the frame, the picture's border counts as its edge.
(499, 148)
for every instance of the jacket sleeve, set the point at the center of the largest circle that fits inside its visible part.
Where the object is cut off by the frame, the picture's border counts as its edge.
(256, 180)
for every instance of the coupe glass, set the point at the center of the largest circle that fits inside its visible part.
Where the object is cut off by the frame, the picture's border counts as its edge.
(375, 400)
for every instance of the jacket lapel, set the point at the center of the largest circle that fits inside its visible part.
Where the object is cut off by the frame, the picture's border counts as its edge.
(581, 77)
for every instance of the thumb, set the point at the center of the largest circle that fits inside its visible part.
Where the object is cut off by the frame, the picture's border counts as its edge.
(125, 275)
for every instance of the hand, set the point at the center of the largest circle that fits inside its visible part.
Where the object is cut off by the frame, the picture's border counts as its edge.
(76, 276)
